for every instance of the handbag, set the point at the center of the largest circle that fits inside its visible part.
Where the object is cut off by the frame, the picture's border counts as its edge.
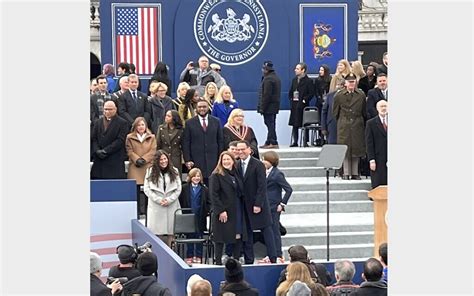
(282, 229)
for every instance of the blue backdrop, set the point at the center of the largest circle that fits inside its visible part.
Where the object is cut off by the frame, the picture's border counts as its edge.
(241, 34)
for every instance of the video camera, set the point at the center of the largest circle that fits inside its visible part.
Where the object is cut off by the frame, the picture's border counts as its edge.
(146, 247)
(122, 280)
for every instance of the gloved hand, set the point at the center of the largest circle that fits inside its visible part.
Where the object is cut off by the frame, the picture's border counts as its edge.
(324, 132)
(140, 162)
(101, 153)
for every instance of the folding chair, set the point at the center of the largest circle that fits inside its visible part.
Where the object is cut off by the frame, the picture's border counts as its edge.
(185, 223)
(311, 122)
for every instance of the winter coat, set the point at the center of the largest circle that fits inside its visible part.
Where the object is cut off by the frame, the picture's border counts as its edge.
(185, 202)
(145, 286)
(169, 140)
(160, 219)
(158, 111)
(349, 110)
(136, 150)
(239, 289)
(305, 90)
(220, 111)
(112, 140)
(269, 95)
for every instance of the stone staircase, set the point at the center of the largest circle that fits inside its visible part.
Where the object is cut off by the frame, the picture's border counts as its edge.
(351, 212)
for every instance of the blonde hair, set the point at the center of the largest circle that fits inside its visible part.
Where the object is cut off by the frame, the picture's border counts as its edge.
(358, 70)
(182, 85)
(219, 98)
(192, 173)
(233, 114)
(154, 86)
(347, 70)
(296, 271)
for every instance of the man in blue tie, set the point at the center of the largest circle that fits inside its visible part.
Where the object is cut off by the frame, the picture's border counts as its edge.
(133, 103)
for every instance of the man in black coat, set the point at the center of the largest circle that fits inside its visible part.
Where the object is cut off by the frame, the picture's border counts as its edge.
(108, 144)
(97, 287)
(202, 141)
(376, 143)
(256, 202)
(301, 92)
(373, 285)
(134, 103)
(376, 94)
(269, 102)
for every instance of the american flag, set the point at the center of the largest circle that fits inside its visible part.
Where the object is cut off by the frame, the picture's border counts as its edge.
(136, 37)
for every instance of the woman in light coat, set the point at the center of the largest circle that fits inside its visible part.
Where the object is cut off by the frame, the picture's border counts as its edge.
(163, 187)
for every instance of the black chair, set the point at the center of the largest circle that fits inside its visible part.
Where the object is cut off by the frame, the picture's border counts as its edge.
(312, 122)
(185, 222)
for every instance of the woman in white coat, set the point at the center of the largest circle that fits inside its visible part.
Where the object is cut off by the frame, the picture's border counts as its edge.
(162, 186)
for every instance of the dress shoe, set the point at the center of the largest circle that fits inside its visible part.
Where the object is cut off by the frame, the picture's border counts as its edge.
(305, 145)
(355, 177)
(294, 145)
(265, 146)
(273, 146)
(345, 177)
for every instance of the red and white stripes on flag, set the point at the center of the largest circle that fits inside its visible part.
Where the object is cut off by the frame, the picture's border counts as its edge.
(137, 37)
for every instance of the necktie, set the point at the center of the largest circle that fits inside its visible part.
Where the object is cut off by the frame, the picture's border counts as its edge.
(243, 168)
(204, 126)
(384, 124)
(134, 96)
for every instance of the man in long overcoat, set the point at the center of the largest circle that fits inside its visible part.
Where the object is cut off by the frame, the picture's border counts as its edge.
(253, 174)
(301, 92)
(376, 140)
(202, 141)
(349, 110)
(108, 144)
(269, 102)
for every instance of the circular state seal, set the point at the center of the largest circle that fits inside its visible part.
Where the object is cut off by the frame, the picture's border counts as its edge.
(231, 32)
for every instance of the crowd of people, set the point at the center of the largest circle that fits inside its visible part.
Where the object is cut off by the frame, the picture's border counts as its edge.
(138, 274)
(202, 132)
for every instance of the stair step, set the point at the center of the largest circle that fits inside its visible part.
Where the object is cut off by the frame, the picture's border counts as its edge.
(296, 152)
(307, 171)
(338, 222)
(300, 162)
(334, 195)
(334, 207)
(343, 251)
(319, 184)
(337, 238)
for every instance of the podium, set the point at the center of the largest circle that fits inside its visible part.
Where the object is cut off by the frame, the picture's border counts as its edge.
(379, 196)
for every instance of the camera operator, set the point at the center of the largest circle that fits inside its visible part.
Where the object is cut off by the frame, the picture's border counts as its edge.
(127, 256)
(98, 288)
(146, 284)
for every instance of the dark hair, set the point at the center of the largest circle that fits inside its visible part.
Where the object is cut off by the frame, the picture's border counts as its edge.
(132, 68)
(135, 123)
(327, 73)
(176, 119)
(124, 66)
(272, 157)
(383, 252)
(373, 270)
(233, 143)
(303, 66)
(382, 75)
(375, 69)
(244, 142)
(298, 253)
(160, 70)
(156, 169)
(101, 76)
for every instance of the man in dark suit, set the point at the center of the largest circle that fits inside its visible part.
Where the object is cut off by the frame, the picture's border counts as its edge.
(99, 98)
(376, 143)
(376, 94)
(134, 103)
(269, 102)
(202, 141)
(108, 144)
(256, 203)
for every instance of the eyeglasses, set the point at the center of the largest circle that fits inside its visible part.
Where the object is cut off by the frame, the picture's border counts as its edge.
(218, 70)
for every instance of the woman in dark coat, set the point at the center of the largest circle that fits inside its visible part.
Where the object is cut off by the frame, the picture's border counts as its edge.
(321, 85)
(169, 138)
(228, 215)
(187, 109)
(236, 130)
(301, 92)
(195, 195)
(369, 81)
(160, 103)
